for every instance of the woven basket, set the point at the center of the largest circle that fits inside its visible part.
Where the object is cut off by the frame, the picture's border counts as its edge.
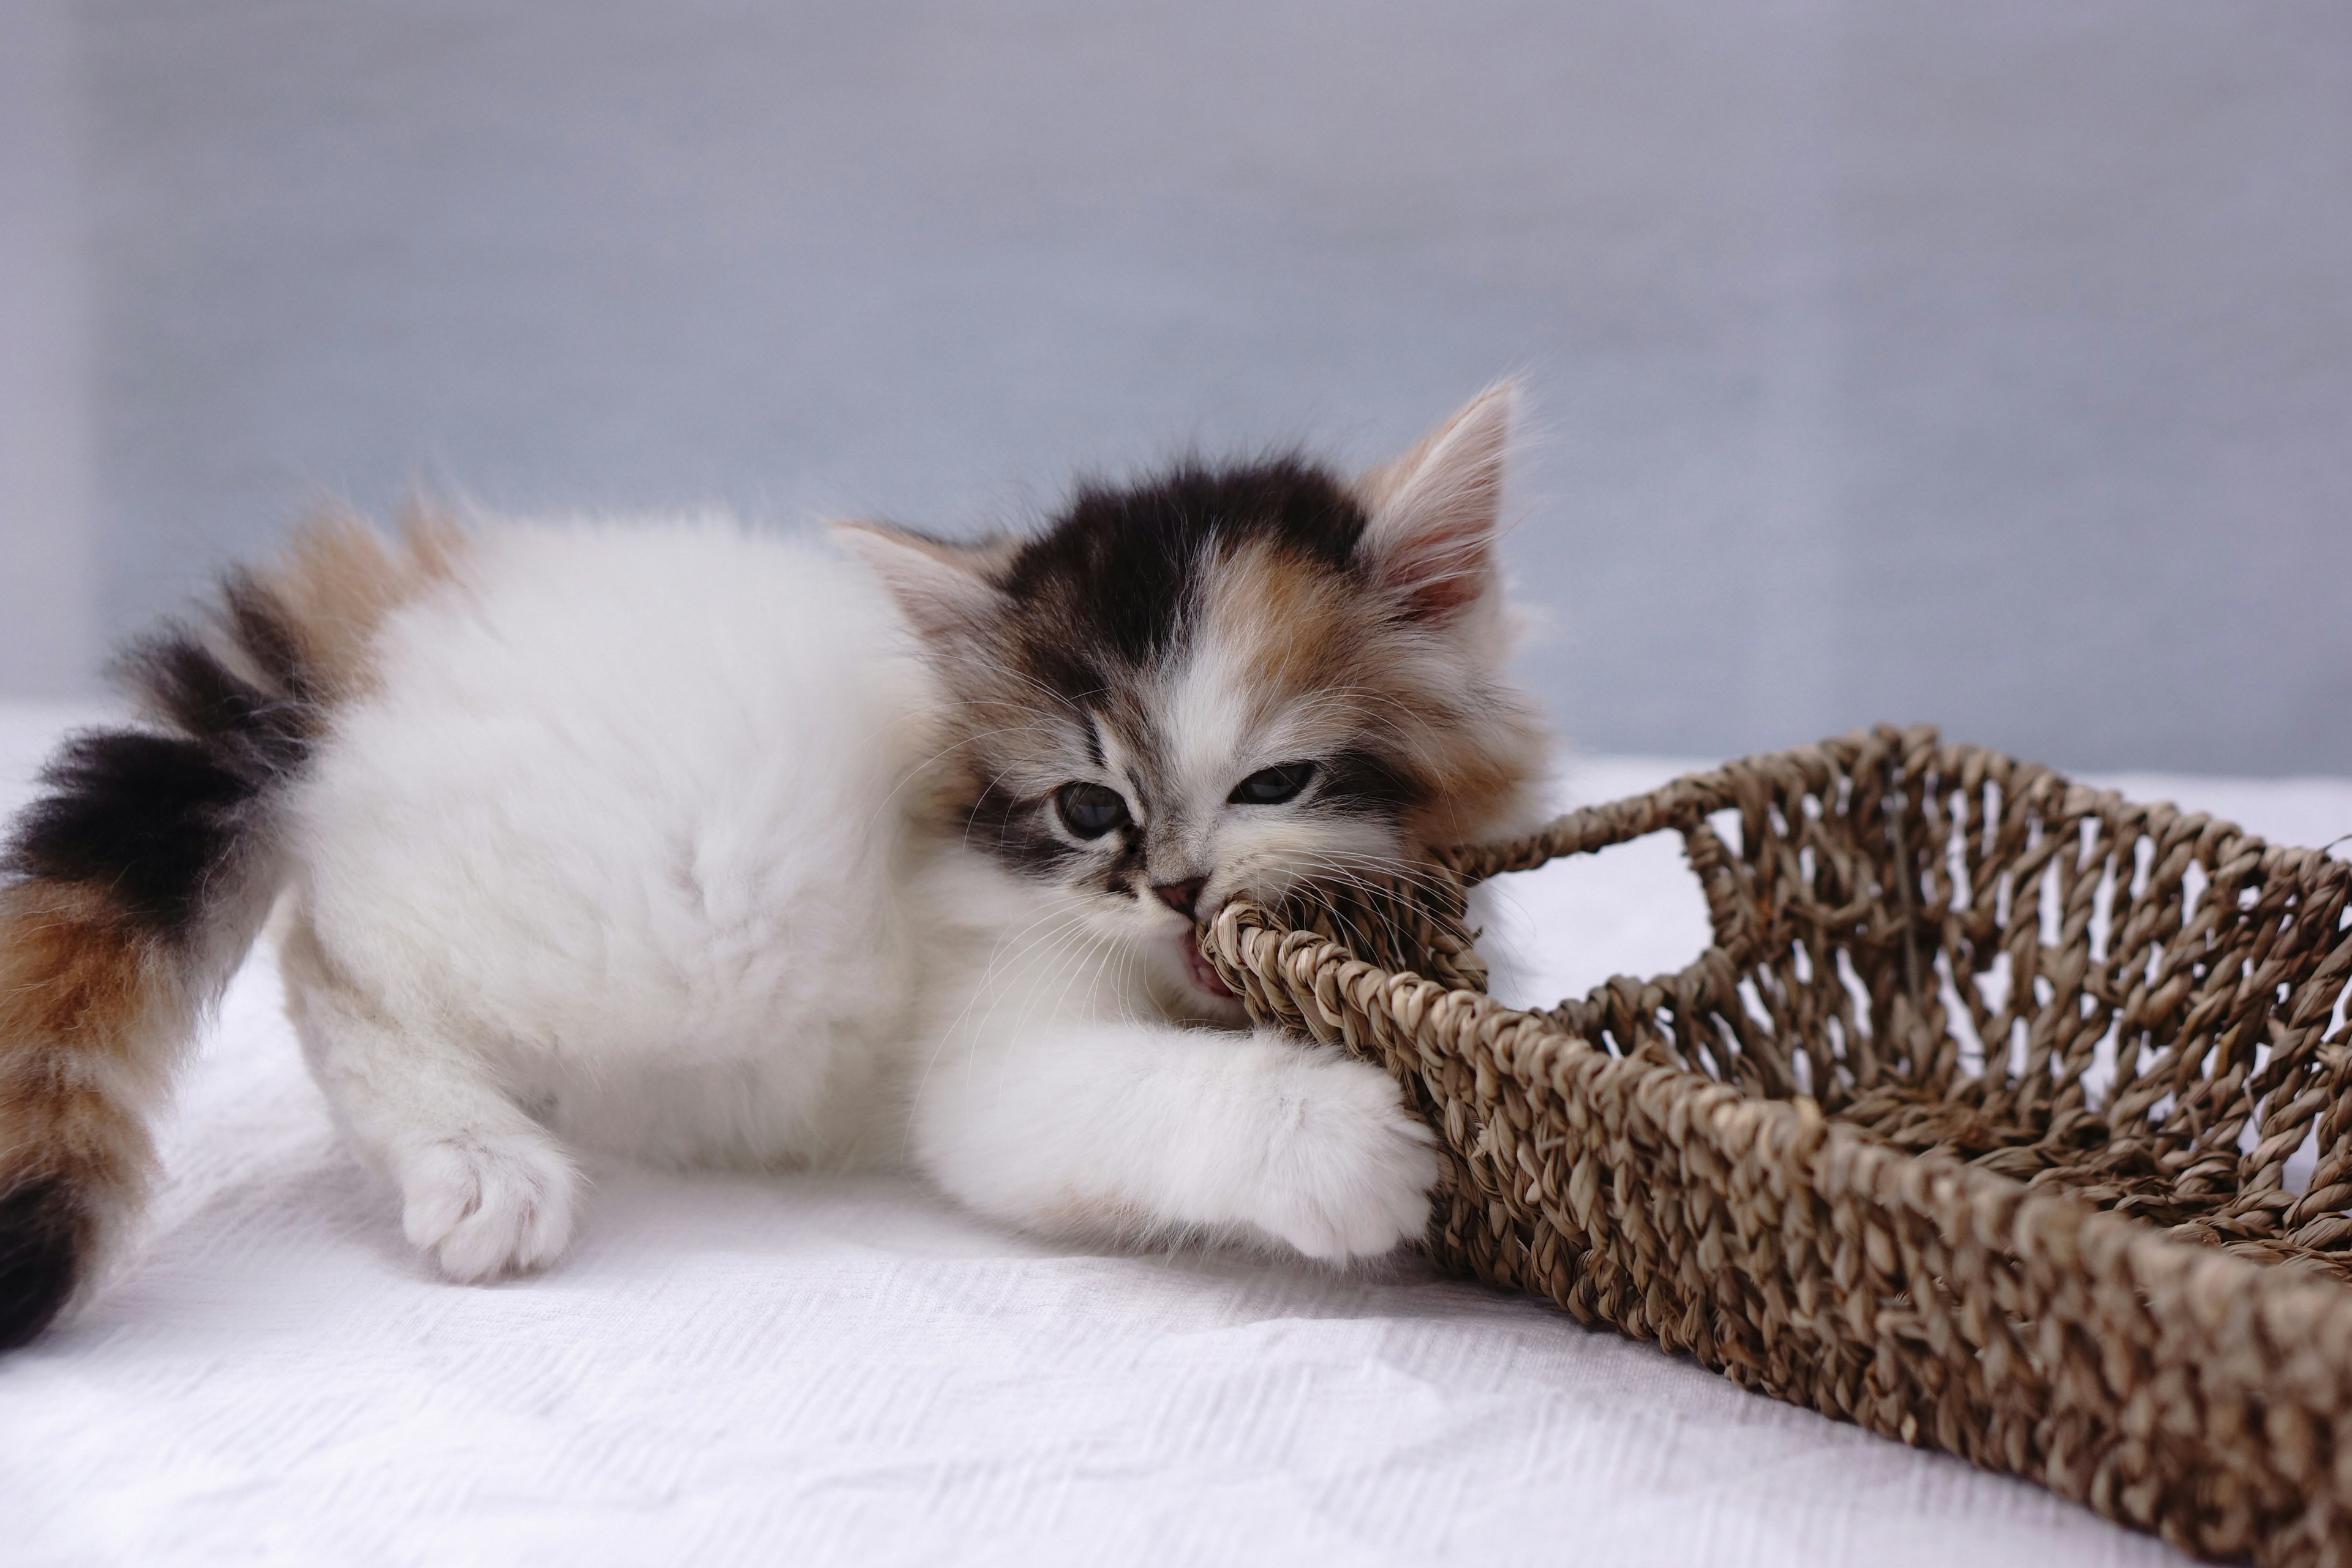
(1971, 1126)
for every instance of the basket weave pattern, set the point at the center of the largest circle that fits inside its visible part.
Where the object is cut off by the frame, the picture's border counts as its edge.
(1971, 1125)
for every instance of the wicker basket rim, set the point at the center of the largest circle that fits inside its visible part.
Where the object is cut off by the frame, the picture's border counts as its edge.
(1250, 940)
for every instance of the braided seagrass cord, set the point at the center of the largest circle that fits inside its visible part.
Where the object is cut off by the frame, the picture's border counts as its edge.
(1971, 1126)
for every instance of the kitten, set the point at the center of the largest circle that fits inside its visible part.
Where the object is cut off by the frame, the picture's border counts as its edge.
(702, 845)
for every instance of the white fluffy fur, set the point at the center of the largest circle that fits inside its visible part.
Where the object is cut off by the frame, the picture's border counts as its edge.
(619, 857)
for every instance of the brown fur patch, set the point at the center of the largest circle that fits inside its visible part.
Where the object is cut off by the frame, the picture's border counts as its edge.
(340, 579)
(67, 966)
(1295, 619)
(83, 1014)
(1311, 637)
(1483, 786)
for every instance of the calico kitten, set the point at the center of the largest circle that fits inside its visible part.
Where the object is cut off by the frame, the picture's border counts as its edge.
(702, 845)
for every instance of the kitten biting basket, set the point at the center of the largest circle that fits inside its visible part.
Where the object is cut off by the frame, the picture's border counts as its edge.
(1971, 1125)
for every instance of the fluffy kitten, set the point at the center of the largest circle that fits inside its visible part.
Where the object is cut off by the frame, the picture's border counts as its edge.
(703, 845)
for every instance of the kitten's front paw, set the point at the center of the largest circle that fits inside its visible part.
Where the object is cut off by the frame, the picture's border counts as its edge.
(488, 1204)
(1348, 1174)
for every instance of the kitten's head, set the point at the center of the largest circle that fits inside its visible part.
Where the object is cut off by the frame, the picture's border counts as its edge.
(1227, 680)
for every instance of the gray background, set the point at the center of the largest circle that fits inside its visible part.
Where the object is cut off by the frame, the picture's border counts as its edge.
(1989, 363)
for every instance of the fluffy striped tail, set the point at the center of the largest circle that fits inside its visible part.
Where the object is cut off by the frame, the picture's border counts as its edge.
(130, 890)
(134, 885)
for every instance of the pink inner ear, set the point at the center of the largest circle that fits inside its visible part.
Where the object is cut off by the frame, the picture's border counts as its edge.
(1438, 559)
(1441, 576)
(942, 588)
(1435, 510)
(1441, 553)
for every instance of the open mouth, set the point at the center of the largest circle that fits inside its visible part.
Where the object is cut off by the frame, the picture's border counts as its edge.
(1203, 973)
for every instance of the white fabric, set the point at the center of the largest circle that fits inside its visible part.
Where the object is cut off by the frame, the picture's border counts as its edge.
(732, 1370)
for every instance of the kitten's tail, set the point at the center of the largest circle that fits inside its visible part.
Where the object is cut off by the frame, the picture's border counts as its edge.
(133, 888)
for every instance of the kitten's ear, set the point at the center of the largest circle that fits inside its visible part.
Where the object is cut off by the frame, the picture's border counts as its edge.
(942, 589)
(1434, 510)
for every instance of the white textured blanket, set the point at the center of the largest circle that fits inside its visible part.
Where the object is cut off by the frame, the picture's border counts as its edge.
(793, 1370)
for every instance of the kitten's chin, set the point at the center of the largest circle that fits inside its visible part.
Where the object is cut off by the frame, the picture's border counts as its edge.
(1202, 996)
(1204, 975)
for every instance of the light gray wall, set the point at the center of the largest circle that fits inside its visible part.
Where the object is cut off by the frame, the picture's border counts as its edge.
(1986, 363)
(49, 558)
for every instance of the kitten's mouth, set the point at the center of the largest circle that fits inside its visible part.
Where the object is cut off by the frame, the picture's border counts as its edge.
(1205, 973)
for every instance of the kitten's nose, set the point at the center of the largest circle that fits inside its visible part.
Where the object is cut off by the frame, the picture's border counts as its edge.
(1181, 896)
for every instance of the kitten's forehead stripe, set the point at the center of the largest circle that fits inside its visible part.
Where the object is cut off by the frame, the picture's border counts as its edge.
(1207, 714)
(1122, 572)
(1303, 632)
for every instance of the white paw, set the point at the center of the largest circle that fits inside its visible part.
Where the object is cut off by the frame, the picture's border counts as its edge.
(487, 1205)
(1349, 1171)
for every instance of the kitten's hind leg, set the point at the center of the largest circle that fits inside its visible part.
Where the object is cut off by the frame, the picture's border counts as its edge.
(1131, 1128)
(486, 1190)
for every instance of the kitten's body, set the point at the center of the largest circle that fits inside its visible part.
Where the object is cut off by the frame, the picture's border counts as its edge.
(623, 819)
(701, 847)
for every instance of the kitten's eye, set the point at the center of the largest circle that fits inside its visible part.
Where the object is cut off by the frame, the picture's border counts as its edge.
(1089, 810)
(1272, 786)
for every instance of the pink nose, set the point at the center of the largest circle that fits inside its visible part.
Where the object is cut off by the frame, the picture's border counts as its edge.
(1182, 896)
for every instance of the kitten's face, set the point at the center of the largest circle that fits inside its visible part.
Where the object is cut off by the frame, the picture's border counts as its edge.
(1228, 681)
